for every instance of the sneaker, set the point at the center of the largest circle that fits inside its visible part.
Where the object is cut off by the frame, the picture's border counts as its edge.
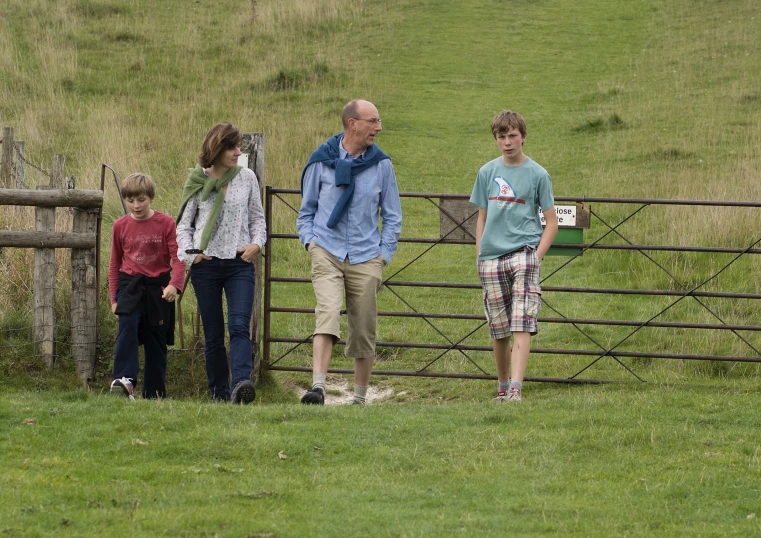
(514, 394)
(243, 393)
(501, 396)
(314, 397)
(123, 387)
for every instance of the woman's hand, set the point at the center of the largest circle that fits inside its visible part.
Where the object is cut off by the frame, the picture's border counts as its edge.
(170, 293)
(249, 252)
(201, 257)
(113, 309)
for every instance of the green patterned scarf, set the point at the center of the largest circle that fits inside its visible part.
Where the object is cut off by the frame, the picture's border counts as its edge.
(198, 181)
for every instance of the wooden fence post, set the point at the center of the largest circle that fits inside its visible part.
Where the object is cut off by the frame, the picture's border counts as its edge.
(6, 167)
(196, 343)
(56, 174)
(84, 293)
(253, 144)
(20, 169)
(44, 287)
(21, 211)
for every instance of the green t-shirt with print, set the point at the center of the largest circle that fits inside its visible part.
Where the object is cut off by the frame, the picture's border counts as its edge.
(512, 197)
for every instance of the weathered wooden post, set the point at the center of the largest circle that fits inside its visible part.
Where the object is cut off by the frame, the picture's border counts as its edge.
(253, 145)
(21, 211)
(83, 241)
(6, 166)
(20, 169)
(196, 343)
(56, 173)
(84, 294)
(44, 286)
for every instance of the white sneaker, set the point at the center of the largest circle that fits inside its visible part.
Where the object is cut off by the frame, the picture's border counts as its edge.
(501, 396)
(514, 394)
(122, 387)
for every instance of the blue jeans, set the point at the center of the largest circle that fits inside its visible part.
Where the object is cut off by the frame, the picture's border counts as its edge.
(236, 278)
(132, 328)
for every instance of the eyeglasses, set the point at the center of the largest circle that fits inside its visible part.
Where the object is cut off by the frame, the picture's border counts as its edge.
(371, 121)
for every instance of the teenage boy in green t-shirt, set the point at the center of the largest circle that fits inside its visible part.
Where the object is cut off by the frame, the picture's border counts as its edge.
(510, 245)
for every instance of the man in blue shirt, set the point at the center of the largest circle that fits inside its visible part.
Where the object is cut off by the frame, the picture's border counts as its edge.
(346, 185)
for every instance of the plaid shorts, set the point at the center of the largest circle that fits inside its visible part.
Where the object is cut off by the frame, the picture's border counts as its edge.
(512, 295)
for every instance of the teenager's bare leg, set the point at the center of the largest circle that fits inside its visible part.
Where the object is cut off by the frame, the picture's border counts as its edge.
(502, 358)
(362, 370)
(322, 349)
(521, 349)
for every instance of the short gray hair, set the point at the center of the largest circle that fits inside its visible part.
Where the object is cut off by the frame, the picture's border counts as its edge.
(351, 110)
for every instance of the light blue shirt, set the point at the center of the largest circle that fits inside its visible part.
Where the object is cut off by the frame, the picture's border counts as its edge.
(512, 197)
(356, 236)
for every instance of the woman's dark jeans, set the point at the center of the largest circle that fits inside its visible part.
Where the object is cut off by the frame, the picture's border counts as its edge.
(236, 278)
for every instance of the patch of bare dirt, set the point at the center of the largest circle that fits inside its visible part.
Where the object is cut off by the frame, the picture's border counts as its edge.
(338, 392)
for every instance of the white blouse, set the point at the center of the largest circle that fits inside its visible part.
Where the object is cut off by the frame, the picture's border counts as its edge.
(240, 222)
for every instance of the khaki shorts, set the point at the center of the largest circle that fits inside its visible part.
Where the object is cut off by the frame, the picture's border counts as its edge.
(332, 279)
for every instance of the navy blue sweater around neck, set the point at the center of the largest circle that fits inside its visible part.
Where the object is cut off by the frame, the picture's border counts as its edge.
(330, 154)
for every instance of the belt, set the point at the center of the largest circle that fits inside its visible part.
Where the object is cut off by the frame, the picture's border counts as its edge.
(517, 251)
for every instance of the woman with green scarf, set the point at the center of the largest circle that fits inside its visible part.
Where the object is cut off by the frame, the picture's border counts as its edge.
(220, 230)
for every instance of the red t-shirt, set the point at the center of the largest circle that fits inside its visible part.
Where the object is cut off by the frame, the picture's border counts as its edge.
(146, 247)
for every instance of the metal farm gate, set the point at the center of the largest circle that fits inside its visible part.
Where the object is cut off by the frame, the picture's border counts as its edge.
(623, 270)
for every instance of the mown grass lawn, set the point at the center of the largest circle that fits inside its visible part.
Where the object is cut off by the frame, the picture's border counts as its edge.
(616, 460)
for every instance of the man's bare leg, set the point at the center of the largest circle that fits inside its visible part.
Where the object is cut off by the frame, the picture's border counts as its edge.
(322, 350)
(362, 370)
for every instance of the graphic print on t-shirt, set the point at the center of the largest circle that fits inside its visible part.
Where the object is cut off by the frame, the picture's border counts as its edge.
(506, 192)
(144, 249)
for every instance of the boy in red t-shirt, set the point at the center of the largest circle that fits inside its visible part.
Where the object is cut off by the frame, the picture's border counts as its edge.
(144, 278)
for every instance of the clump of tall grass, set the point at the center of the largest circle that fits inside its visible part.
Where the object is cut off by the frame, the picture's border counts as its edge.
(16, 290)
(614, 121)
(99, 10)
(750, 99)
(270, 17)
(296, 78)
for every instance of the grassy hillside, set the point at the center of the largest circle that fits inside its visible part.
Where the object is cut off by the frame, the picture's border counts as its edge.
(136, 84)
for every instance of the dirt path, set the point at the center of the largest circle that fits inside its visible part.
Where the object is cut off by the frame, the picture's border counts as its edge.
(332, 396)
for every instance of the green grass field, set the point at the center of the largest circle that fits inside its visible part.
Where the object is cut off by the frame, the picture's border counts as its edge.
(623, 99)
(577, 461)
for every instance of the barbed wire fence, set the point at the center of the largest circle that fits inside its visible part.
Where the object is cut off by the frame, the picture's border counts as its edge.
(18, 164)
(36, 301)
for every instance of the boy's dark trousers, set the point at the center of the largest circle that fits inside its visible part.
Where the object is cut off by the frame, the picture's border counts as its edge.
(134, 329)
